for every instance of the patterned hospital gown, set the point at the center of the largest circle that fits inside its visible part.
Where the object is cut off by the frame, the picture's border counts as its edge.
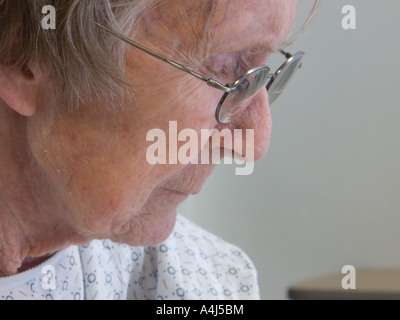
(191, 264)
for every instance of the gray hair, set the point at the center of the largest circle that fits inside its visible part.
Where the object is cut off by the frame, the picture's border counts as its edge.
(82, 61)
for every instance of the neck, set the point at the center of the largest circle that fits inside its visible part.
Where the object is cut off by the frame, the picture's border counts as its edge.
(30, 228)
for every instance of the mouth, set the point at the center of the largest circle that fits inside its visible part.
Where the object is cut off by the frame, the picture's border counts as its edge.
(177, 192)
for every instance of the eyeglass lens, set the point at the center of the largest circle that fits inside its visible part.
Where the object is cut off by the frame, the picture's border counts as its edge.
(282, 77)
(248, 85)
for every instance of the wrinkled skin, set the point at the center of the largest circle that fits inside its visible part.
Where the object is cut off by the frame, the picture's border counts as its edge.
(68, 178)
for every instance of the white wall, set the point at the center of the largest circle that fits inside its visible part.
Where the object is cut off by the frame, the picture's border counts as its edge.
(328, 192)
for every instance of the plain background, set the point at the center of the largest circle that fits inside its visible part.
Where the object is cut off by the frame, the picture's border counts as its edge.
(328, 192)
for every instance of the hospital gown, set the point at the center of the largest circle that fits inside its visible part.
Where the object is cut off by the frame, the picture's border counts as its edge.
(191, 264)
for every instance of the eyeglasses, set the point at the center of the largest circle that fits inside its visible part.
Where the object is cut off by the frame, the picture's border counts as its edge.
(237, 95)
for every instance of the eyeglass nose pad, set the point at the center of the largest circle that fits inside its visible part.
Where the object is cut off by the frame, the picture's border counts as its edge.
(270, 79)
(244, 85)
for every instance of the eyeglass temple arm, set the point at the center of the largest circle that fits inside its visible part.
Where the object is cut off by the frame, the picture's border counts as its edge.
(286, 54)
(211, 82)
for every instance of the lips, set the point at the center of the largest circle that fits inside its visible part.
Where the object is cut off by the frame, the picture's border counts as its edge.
(177, 192)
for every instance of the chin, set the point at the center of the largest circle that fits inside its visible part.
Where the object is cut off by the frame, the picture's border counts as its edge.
(146, 230)
(151, 227)
(154, 223)
(159, 229)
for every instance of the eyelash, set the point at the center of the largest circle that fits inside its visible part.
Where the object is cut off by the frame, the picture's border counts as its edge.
(234, 67)
(231, 70)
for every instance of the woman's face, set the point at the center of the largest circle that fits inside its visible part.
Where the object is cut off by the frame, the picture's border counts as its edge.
(92, 163)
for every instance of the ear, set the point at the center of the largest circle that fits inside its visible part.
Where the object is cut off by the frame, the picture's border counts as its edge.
(19, 88)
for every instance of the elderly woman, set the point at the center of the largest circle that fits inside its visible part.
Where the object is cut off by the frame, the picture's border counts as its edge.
(83, 212)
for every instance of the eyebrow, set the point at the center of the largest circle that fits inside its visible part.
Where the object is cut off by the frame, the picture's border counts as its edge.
(261, 49)
(264, 48)
(268, 48)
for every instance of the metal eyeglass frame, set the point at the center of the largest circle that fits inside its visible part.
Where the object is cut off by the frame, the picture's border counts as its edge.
(292, 63)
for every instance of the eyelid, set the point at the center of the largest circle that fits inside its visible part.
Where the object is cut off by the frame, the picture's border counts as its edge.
(228, 67)
(229, 72)
(218, 64)
(255, 57)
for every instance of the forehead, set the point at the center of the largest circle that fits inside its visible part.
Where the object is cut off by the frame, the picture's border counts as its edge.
(222, 25)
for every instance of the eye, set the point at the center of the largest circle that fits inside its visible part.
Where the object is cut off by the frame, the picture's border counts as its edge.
(223, 71)
(224, 66)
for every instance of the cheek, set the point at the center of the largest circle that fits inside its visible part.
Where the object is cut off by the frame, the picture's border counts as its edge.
(96, 172)
(165, 94)
(96, 164)
(185, 105)
(192, 104)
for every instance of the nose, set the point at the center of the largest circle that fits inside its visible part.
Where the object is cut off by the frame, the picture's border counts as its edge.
(254, 126)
